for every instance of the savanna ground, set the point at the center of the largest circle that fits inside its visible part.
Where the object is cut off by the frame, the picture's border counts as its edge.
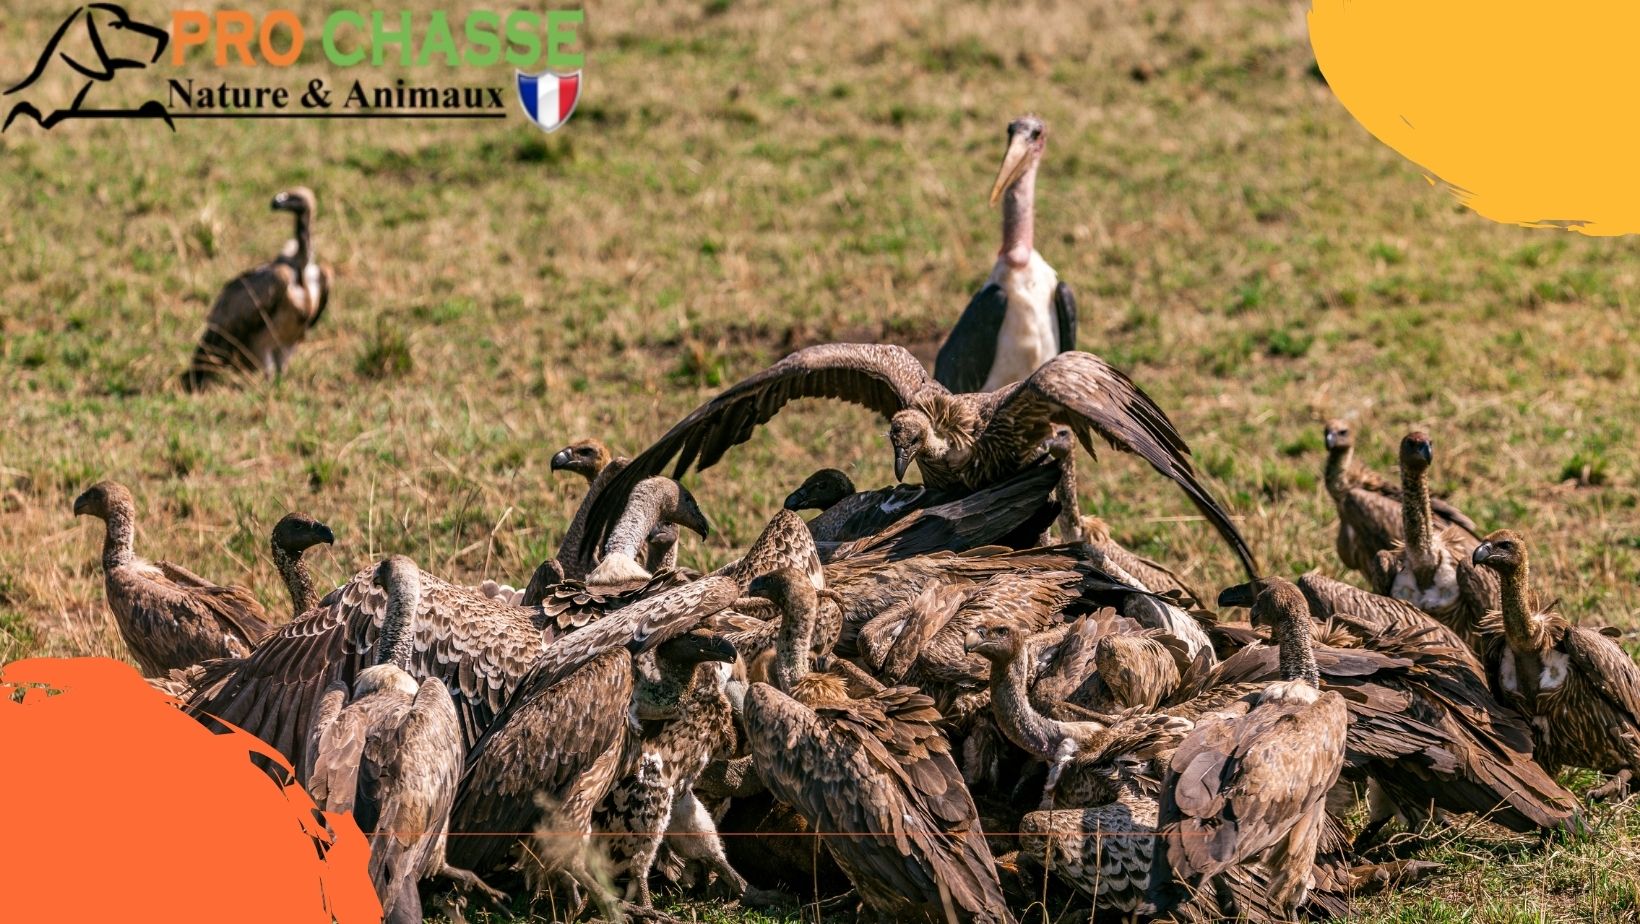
(743, 178)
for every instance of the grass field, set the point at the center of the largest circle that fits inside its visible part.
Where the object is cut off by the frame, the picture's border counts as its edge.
(743, 178)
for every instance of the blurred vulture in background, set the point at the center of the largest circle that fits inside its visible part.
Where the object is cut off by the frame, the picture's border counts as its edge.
(260, 317)
(1024, 316)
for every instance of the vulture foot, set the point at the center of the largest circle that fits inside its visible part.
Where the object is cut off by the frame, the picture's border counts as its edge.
(471, 880)
(1616, 787)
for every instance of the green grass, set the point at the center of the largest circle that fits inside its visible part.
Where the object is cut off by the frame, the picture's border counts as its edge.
(741, 179)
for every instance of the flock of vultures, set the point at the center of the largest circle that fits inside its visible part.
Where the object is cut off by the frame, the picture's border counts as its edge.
(942, 701)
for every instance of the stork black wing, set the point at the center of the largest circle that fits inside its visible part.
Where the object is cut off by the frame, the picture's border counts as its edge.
(970, 350)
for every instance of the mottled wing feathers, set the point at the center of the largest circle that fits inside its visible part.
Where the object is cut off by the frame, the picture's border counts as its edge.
(1606, 667)
(1090, 395)
(880, 377)
(420, 761)
(970, 350)
(548, 736)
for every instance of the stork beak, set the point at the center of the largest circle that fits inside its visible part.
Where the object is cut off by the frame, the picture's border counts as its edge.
(1481, 554)
(902, 462)
(1014, 163)
(560, 460)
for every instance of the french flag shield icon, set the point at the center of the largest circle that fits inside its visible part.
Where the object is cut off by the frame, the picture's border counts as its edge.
(549, 98)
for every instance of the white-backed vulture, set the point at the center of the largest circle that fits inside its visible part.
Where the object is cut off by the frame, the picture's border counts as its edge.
(563, 739)
(1247, 787)
(966, 441)
(393, 756)
(260, 317)
(1424, 728)
(652, 503)
(1432, 569)
(1578, 689)
(875, 773)
(1023, 316)
(293, 535)
(169, 617)
(1369, 505)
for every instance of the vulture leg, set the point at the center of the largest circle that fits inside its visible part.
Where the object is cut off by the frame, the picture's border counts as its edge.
(1617, 786)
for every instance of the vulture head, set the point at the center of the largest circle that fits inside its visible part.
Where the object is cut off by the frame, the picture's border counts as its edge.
(585, 457)
(821, 491)
(104, 499)
(1336, 434)
(298, 199)
(1503, 551)
(789, 589)
(912, 434)
(1027, 139)
(1416, 451)
(697, 647)
(997, 640)
(296, 533)
(1276, 600)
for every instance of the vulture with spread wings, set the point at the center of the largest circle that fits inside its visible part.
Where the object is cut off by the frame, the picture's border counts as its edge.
(957, 441)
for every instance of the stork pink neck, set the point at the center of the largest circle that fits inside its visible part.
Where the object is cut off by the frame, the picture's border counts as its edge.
(1019, 218)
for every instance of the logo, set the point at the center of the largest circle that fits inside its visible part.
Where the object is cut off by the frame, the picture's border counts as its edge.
(79, 37)
(549, 98)
(97, 42)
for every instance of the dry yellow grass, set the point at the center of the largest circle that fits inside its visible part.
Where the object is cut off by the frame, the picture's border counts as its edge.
(742, 178)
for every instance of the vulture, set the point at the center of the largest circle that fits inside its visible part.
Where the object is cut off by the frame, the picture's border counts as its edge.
(591, 459)
(958, 441)
(1433, 570)
(293, 535)
(874, 772)
(393, 756)
(260, 317)
(169, 617)
(1425, 731)
(562, 741)
(1579, 690)
(1023, 316)
(1247, 787)
(659, 798)
(652, 505)
(847, 514)
(1369, 505)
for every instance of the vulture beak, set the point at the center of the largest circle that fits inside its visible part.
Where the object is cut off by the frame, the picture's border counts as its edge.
(82, 504)
(970, 641)
(903, 457)
(689, 514)
(1014, 162)
(1425, 451)
(1481, 554)
(1330, 439)
(322, 533)
(797, 500)
(561, 460)
(281, 201)
(1238, 595)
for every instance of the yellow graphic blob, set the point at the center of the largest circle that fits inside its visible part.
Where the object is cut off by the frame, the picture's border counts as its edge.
(1527, 110)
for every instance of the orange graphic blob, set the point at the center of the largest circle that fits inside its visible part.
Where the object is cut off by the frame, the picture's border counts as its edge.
(116, 806)
(1524, 109)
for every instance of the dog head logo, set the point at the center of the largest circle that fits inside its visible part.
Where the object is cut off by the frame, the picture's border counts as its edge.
(95, 43)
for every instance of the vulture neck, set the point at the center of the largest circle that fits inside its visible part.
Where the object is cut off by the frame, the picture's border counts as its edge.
(1019, 219)
(396, 641)
(1338, 469)
(304, 239)
(1292, 633)
(569, 558)
(298, 582)
(1522, 631)
(1415, 517)
(117, 541)
(1032, 731)
(791, 652)
(649, 502)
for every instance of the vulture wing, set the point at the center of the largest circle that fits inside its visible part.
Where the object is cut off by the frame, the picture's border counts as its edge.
(243, 313)
(1608, 669)
(880, 377)
(1090, 395)
(970, 350)
(549, 735)
(478, 646)
(420, 763)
